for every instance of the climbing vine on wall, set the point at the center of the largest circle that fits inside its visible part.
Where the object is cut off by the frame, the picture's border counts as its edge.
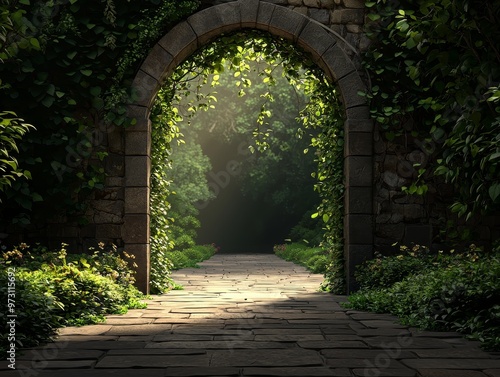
(435, 73)
(72, 85)
(233, 52)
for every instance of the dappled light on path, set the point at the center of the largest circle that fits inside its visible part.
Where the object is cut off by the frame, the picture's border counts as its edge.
(252, 315)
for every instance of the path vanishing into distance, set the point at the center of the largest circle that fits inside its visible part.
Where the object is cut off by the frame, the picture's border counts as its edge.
(253, 315)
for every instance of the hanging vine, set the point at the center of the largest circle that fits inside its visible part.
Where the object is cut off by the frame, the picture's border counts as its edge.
(233, 52)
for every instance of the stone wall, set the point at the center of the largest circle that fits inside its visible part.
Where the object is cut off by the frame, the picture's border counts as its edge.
(377, 212)
(415, 219)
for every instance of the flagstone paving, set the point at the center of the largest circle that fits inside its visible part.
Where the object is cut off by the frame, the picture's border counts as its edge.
(253, 315)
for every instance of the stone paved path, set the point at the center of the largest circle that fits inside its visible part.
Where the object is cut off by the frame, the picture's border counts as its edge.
(253, 315)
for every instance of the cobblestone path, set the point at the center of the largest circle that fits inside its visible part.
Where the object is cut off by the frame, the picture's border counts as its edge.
(253, 315)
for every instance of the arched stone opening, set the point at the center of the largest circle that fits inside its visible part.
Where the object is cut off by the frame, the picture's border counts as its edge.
(325, 48)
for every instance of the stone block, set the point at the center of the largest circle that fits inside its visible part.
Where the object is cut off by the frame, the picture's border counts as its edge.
(405, 169)
(358, 113)
(320, 15)
(312, 3)
(391, 233)
(115, 165)
(359, 200)
(358, 229)
(356, 29)
(350, 87)
(295, 3)
(211, 22)
(356, 4)
(358, 144)
(105, 232)
(114, 181)
(157, 62)
(359, 171)
(141, 115)
(414, 212)
(110, 136)
(358, 125)
(391, 163)
(277, 2)
(136, 228)
(141, 253)
(264, 15)
(348, 16)
(249, 10)
(286, 23)
(136, 200)
(180, 42)
(392, 180)
(137, 143)
(108, 211)
(340, 65)
(137, 171)
(456, 364)
(354, 255)
(266, 357)
(315, 39)
(451, 373)
(328, 4)
(301, 10)
(144, 89)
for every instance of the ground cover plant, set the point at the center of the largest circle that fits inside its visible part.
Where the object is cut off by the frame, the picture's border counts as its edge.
(54, 289)
(191, 256)
(315, 259)
(437, 291)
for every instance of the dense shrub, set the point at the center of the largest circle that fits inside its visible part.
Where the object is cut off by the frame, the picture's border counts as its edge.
(54, 290)
(34, 307)
(314, 259)
(383, 271)
(452, 292)
(190, 257)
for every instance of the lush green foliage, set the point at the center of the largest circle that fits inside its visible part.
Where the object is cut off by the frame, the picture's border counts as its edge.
(54, 289)
(189, 186)
(322, 113)
(383, 271)
(67, 67)
(435, 73)
(34, 307)
(314, 259)
(12, 129)
(443, 292)
(191, 256)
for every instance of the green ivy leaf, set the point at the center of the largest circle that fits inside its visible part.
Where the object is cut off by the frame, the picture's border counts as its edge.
(494, 192)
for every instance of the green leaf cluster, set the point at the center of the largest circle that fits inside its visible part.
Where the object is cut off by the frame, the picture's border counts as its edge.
(67, 68)
(434, 70)
(322, 114)
(436, 291)
(54, 289)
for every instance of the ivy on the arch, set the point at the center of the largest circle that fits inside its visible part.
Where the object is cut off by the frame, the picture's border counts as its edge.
(322, 113)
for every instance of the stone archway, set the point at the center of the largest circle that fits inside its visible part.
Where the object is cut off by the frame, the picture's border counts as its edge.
(324, 47)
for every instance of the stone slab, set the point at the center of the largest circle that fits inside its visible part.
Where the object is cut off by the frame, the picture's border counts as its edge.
(462, 364)
(266, 357)
(156, 361)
